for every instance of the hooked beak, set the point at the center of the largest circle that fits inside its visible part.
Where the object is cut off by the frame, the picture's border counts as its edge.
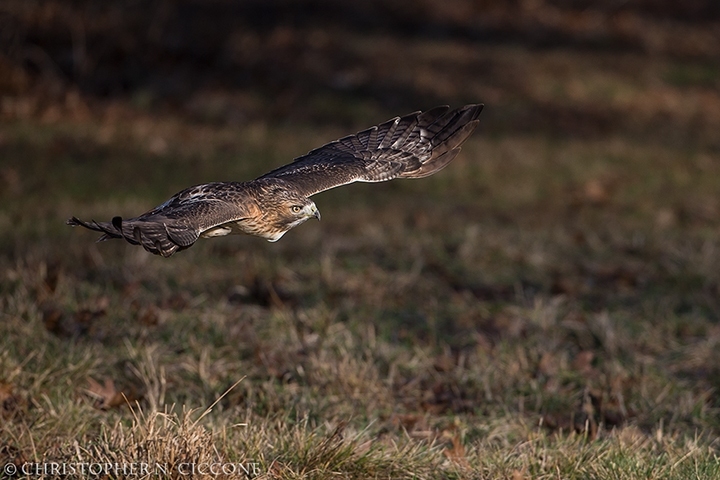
(311, 210)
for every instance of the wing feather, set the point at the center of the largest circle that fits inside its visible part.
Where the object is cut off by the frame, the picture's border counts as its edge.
(178, 223)
(413, 146)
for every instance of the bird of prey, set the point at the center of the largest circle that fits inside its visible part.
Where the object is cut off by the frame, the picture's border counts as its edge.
(411, 146)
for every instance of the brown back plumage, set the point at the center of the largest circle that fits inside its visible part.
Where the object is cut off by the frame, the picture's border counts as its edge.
(412, 146)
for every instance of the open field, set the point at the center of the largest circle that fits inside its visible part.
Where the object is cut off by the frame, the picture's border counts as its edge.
(548, 306)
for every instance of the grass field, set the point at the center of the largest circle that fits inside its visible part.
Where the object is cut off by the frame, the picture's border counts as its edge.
(548, 306)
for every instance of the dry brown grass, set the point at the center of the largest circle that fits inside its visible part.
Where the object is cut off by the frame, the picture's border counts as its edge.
(546, 307)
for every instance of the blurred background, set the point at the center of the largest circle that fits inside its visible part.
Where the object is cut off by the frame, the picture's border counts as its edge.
(599, 115)
(550, 66)
(563, 267)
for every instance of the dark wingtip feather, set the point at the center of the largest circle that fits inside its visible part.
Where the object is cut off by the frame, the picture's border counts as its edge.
(156, 237)
(447, 132)
(92, 224)
(429, 116)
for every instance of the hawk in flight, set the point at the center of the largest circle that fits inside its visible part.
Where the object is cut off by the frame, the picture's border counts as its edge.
(412, 146)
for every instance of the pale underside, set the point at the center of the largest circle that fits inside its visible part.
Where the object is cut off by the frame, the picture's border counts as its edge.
(412, 146)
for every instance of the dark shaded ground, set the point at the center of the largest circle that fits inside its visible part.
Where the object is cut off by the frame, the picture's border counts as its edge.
(546, 306)
(271, 58)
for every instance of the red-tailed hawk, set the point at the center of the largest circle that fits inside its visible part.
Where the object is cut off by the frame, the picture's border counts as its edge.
(412, 146)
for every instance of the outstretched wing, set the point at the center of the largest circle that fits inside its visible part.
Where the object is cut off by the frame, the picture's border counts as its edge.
(178, 223)
(413, 146)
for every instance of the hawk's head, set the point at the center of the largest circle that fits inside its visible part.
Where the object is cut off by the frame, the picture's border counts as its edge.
(283, 209)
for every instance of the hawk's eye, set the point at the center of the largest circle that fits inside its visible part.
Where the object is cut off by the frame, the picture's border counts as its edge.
(296, 209)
